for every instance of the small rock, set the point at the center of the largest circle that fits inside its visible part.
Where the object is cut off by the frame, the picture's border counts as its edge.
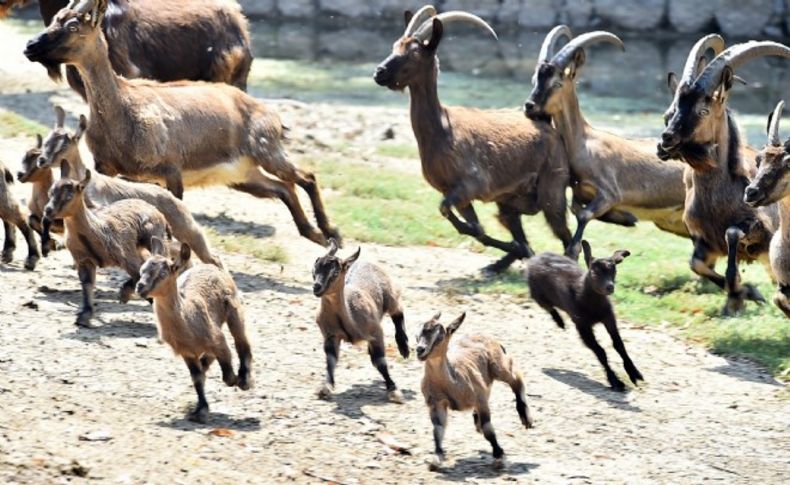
(101, 435)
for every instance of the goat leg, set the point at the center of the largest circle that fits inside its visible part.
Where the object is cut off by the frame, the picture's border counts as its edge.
(703, 261)
(600, 205)
(331, 350)
(588, 337)
(173, 181)
(617, 342)
(9, 243)
(309, 183)
(379, 360)
(200, 413)
(87, 275)
(400, 334)
(488, 432)
(236, 326)
(511, 219)
(736, 293)
(33, 254)
(782, 299)
(439, 421)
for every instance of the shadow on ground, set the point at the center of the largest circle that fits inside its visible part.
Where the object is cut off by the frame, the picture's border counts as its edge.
(349, 402)
(594, 388)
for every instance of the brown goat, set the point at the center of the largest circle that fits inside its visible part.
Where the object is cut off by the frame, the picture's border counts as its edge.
(702, 132)
(13, 216)
(61, 145)
(111, 236)
(190, 309)
(771, 185)
(7, 5)
(180, 132)
(459, 374)
(41, 179)
(470, 154)
(355, 296)
(199, 40)
(615, 179)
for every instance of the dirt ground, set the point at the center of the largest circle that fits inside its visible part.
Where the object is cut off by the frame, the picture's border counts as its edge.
(108, 404)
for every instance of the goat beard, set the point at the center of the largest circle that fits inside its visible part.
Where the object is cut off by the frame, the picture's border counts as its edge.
(696, 155)
(53, 70)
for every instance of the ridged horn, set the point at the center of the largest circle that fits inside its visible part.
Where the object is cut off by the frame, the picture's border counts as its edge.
(773, 125)
(426, 29)
(418, 19)
(736, 56)
(568, 51)
(551, 42)
(713, 42)
(60, 117)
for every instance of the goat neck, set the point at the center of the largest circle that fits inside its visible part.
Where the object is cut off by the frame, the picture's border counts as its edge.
(570, 123)
(102, 86)
(427, 113)
(784, 219)
(83, 218)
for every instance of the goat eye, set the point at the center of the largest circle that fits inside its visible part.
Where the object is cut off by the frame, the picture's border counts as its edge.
(556, 85)
(704, 112)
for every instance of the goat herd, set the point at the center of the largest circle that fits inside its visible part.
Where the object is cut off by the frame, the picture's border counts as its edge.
(701, 183)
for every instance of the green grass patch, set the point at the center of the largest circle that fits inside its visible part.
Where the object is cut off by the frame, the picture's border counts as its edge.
(397, 150)
(250, 245)
(12, 124)
(654, 286)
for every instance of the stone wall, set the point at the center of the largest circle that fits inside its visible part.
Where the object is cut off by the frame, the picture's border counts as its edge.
(737, 18)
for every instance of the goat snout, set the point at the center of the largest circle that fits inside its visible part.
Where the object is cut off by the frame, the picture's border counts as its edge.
(529, 107)
(609, 288)
(380, 76)
(420, 350)
(669, 140)
(36, 46)
(141, 290)
(751, 195)
(318, 289)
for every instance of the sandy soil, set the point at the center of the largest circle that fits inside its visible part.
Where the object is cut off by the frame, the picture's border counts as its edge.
(108, 404)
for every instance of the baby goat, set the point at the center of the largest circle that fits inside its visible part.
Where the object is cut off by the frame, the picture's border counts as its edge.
(190, 310)
(61, 145)
(109, 236)
(459, 374)
(41, 179)
(558, 282)
(12, 215)
(354, 298)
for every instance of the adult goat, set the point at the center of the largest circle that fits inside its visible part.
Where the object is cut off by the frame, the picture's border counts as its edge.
(702, 132)
(471, 154)
(199, 40)
(616, 179)
(183, 133)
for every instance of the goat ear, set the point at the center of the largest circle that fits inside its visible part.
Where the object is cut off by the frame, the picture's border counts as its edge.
(39, 141)
(407, 15)
(84, 182)
(436, 35)
(453, 326)
(9, 177)
(727, 77)
(578, 60)
(65, 169)
(183, 255)
(587, 253)
(672, 82)
(157, 246)
(351, 259)
(332, 246)
(620, 255)
(81, 127)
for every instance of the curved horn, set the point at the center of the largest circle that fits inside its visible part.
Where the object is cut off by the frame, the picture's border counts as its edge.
(418, 19)
(734, 57)
(60, 117)
(713, 42)
(426, 29)
(773, 126)
(332, 246)
(551, 42)
(568, 51)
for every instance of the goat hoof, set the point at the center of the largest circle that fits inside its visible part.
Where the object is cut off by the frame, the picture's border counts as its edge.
(733, 307)
(325, 391)
(30, 262)
(500, 463)
(198, 416)
(753, 294)
(635, 376)
(334, 233)
(528, 423)
(246, 384)
(395, 396)
(617, 385)
(316, 236)
(125, 295)
(230, 380)
(7, 257)
(84, 320)
(435, 463)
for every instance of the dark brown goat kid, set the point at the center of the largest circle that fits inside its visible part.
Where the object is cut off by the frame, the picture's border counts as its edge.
(198, 40)
(558, 282)
(470, 154)
(702, 132)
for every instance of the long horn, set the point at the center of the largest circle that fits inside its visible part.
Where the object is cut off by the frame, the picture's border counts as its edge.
(426, 29)
(60, 117)
(551, 42)
(568, 51)
(332, 246)
(734, 57)
(773, 125)
(713, 42)
(418, 19)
